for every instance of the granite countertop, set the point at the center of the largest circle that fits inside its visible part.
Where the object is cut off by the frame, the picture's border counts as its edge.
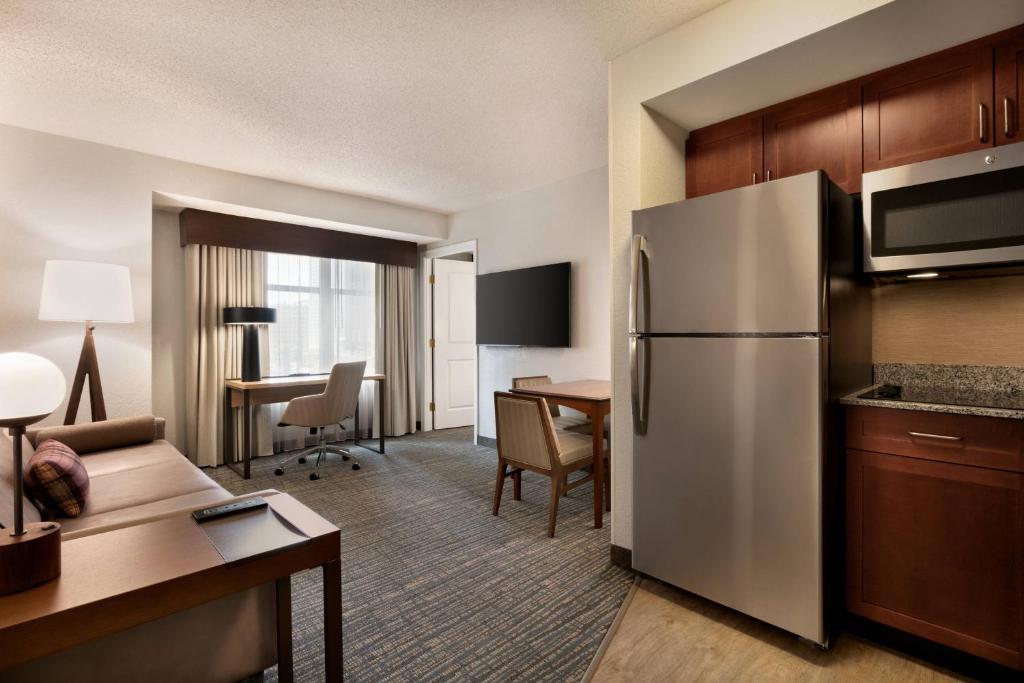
(952, 408)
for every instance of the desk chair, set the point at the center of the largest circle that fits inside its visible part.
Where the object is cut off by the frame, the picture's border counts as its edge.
(336, 403)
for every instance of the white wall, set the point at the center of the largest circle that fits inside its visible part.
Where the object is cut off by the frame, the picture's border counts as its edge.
(563, 221)
(644, 166)
(65, 198)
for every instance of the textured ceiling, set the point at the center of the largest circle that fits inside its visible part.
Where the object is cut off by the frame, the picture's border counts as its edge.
(437, 103)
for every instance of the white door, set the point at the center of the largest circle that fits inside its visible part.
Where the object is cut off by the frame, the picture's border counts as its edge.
(454, 343)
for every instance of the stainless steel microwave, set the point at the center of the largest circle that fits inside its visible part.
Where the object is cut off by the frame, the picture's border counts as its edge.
(963, 210)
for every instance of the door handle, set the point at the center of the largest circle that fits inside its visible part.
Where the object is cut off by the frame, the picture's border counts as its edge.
(1008, 128)
(768, 178)
(638, 370)
(638, 249)
(939, 437)
(753, 178)
(981, 122)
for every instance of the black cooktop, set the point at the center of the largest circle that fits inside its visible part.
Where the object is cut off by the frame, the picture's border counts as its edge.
(950, 396)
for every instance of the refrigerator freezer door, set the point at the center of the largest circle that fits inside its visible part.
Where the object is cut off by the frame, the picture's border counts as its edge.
(727, 479)
(747, 260)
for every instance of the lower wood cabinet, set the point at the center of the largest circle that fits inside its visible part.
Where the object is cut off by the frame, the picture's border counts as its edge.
(935, 547)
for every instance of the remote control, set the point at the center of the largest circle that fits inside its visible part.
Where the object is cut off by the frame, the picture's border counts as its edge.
(206, 514)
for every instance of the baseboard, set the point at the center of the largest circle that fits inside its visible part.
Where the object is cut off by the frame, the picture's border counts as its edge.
(622, 557)
(486, 441)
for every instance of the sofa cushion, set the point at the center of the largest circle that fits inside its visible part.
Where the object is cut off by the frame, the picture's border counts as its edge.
(162, 473)
(29, 511)
(57, 480)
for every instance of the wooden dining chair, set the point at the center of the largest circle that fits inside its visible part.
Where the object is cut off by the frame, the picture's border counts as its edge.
(528, 440)
(561, 421)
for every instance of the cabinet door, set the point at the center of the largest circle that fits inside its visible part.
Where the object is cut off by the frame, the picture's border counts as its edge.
(1009, 88)
(819, 131)
(929, 108)
(935, 549)
(724, 156)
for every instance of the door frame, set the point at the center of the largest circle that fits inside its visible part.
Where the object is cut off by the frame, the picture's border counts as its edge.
(427, 269)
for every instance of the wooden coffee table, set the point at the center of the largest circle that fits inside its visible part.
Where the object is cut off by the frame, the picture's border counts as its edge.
(118, 579)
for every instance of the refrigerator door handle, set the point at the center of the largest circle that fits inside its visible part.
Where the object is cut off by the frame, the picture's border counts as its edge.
(638, 250)
(638, 368)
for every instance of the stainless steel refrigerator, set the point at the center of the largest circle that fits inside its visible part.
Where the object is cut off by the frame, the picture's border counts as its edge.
(746, 315)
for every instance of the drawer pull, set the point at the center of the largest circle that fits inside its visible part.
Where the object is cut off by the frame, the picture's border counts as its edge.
(940, 437)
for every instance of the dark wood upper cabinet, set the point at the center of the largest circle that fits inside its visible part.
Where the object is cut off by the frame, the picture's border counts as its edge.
(724, 156)
(1009, 88)
(929, 108)
(819, 131)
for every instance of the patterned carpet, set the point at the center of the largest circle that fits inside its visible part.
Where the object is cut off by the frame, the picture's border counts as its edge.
(434, 587)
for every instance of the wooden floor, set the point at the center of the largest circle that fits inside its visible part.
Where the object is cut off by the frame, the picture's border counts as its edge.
(666, 635)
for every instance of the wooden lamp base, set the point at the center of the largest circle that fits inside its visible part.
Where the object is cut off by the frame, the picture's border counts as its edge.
(31, 559)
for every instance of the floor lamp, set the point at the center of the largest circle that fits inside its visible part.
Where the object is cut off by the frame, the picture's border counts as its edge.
(83, 291)
(31, 387)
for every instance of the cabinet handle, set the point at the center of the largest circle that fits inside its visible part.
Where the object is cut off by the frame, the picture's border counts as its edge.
(1007, 129)
(940, 437)
(981, 122)
(754, 179)
(769, 177)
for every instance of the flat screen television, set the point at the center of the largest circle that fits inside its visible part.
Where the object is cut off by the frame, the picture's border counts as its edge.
(525, 307)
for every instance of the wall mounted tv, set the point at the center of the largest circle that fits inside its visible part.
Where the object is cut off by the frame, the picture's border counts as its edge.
(525, 307)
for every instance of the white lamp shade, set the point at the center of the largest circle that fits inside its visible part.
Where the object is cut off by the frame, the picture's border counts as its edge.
(81, 290)
(30, 387)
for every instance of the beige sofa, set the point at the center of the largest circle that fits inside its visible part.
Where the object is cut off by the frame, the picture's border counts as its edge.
(136, 476)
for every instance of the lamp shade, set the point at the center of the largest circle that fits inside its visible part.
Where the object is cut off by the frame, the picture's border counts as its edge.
(86, 291)
(249, 315)
(31, 387)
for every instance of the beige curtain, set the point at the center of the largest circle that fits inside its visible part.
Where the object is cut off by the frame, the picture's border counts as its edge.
(396, 348)
(216, 277)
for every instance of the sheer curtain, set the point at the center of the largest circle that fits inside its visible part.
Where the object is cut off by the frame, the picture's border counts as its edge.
(325, 315)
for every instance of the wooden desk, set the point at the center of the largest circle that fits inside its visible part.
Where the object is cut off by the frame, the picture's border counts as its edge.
(126, 577)
(245, 395)
(594, 398)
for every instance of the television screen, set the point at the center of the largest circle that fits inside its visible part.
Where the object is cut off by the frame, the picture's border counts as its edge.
(526, 307)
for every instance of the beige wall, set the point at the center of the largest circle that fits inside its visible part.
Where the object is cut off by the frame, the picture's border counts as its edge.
(169, 360)
(65, 198)
(644, 167)
(563, 221)
(950, 322)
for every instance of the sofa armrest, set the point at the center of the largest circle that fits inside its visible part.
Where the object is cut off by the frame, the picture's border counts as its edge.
(101, 436)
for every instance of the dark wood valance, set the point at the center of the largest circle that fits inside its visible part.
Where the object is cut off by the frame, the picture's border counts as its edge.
(240, 232)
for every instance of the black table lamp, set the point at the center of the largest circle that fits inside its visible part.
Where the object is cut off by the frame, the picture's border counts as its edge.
(251, 317)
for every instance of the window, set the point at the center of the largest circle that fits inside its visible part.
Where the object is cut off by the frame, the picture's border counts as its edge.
(325, 313)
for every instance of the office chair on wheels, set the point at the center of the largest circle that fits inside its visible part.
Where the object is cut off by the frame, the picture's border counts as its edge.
(336, 403)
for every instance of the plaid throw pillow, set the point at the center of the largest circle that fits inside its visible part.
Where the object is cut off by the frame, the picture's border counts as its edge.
(57, 480)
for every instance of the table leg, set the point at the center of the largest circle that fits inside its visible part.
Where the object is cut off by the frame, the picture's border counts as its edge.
(229, 429)
(285, 661)
(383, 412)
(355, 427)
(597, 430)
(335, 670)
(246, 432)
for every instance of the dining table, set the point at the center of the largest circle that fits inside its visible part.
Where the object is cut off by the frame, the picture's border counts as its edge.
(592, 397)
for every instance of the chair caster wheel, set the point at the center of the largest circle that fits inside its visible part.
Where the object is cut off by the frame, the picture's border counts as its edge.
(355, 466)
(302, 461)
(313, 476)
(344, 457)
(279, 471)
